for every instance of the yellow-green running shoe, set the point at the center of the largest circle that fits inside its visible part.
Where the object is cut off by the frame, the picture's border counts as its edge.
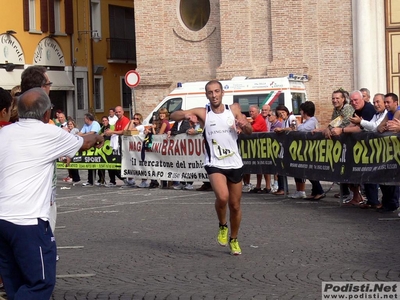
(235, 248)
(222, 237)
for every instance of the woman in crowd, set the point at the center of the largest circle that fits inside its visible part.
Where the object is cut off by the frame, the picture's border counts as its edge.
(136, 123)
(73, 174)
(105, 124)
(161, 126)
(307, 111)
(289, 122)
(274, 122)
(56, 120)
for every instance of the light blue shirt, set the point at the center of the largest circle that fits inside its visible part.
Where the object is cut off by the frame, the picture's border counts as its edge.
(308, 125)
(94, 127)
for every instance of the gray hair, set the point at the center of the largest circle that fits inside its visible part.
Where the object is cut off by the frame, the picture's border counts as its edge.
(254, 106)
(356, 92)
(33, 104)
(380, 95)
(366, 90)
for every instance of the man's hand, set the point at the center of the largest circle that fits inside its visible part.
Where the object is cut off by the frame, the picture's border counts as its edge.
(393, 125)
(191, 131)
(99, 141)
(336, 131)
(355, 120)
(327, 133)
(67, 161)
(108, 132)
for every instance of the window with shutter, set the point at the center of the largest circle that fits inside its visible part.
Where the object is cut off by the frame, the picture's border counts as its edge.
(122, 34)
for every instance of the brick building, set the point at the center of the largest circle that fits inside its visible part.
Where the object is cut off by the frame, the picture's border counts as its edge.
(348, 44)
(336, 43)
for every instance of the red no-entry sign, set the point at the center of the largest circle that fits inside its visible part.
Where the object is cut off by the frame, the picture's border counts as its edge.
(132, 78)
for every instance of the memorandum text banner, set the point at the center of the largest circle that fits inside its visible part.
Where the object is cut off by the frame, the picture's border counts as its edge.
(178, 158)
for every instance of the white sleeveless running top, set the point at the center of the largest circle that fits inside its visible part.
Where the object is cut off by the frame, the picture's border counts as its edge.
(221, 140)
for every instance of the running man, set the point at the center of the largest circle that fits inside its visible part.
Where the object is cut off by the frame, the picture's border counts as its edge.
(223, 163)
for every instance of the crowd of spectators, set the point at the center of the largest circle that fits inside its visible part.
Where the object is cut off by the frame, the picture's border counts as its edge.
(351, 113)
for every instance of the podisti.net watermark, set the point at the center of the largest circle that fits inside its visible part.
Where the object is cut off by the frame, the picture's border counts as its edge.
(360, 290)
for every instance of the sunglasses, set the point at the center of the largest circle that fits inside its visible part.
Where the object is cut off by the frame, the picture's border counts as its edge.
(136, 118)
(48, 83)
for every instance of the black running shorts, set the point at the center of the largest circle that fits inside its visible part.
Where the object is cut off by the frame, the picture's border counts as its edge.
(232, 175)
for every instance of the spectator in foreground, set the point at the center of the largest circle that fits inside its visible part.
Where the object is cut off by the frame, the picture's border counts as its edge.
(28, 273)
(6, 101)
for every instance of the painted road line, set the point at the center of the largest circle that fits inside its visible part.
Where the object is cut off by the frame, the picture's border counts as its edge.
(75, 275)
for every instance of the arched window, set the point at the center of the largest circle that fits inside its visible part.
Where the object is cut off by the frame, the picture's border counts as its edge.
(195, 13)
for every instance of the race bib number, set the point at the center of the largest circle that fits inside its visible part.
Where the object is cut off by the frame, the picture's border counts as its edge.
(220, 152)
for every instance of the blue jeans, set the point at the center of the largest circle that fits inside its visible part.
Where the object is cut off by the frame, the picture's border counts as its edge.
(316, 188)
(390, 196)
(371, 191)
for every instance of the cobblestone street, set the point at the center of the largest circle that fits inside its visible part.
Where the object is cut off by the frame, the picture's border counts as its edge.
(130, 243)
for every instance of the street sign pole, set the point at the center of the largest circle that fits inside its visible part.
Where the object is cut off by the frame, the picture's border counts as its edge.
(133, 101)
(132, 79)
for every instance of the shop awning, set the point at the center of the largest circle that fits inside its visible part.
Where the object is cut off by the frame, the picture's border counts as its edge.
(10, 79)
(60, 80)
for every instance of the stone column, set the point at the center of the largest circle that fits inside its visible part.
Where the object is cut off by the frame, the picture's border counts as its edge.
(369, 45)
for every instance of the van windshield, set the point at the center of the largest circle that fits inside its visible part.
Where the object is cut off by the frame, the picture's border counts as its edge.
(273, 99)
(171, 105)
(297, 99)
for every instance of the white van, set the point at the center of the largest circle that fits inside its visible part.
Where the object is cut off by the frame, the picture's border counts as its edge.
(289, 91)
